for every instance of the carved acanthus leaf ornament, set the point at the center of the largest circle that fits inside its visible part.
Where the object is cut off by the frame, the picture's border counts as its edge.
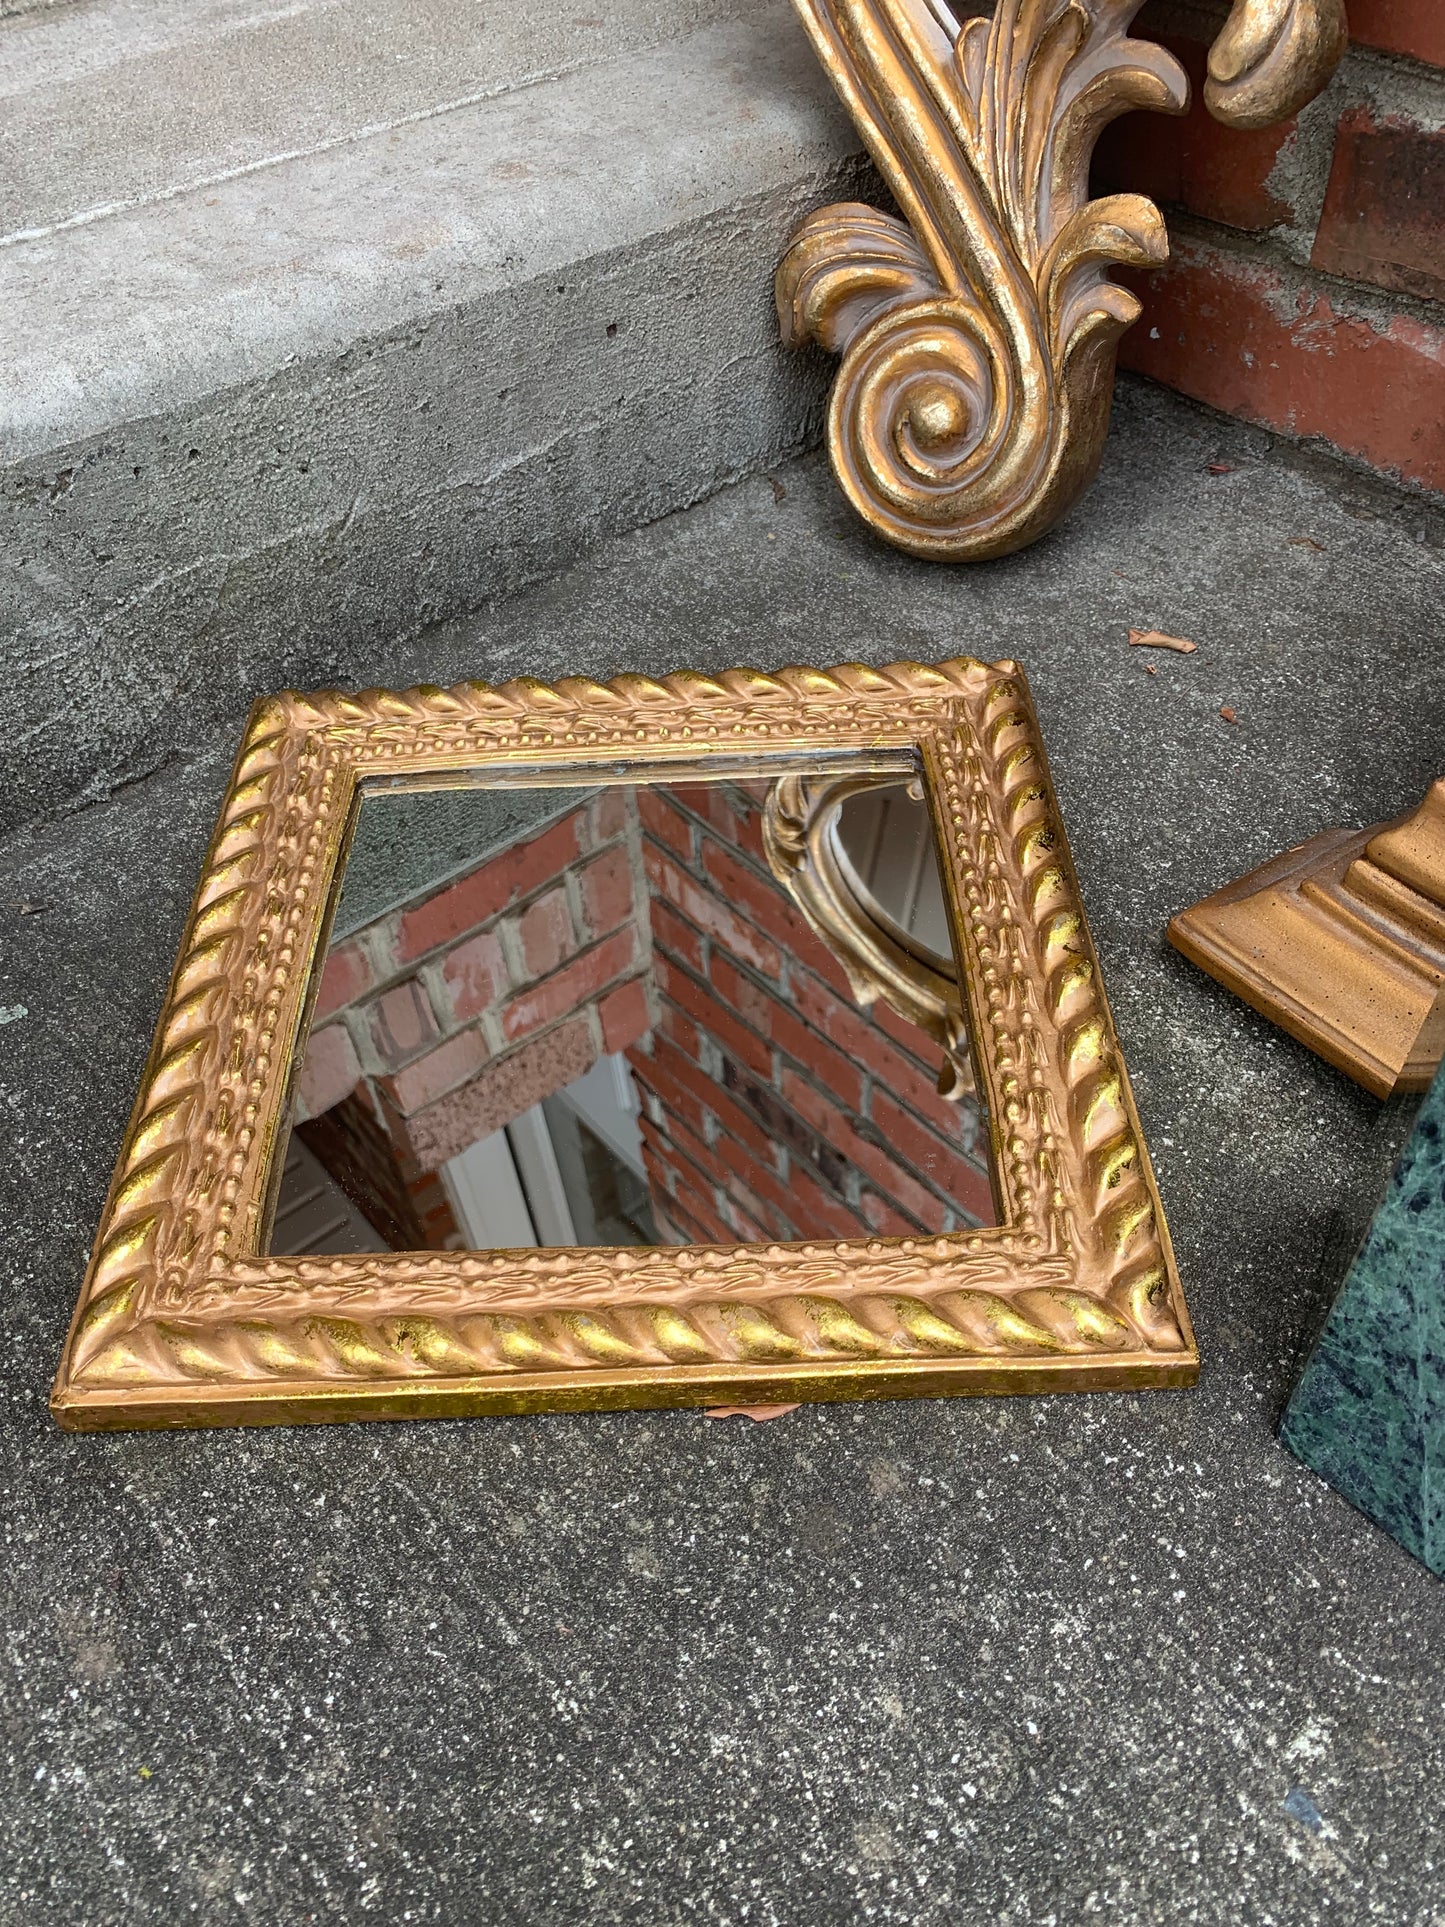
(978, 333)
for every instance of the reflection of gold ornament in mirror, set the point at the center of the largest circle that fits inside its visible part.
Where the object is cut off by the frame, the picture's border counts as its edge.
(978, 333)
(186, 1317)
(828, 854)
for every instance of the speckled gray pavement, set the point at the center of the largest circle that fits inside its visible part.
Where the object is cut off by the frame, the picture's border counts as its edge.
(1027, 1662)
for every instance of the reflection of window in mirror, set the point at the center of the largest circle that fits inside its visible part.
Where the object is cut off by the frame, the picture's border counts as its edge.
(571, 1170)
(596, 1017)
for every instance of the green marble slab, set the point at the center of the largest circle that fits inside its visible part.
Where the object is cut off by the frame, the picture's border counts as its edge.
(1369, 1411)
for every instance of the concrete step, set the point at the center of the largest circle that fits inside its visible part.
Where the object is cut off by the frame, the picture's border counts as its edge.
(324, 321)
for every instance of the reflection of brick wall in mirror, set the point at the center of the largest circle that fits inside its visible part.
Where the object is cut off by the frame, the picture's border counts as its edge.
(645, 922)
(452, 1015)
(775, 1105)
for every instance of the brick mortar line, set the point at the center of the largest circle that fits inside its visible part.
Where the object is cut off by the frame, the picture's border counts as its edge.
(792, 963)
(425, 967)
(716, 1184)
(1376, 308)
(879, 1142)
(707, 835)
(911, 1059)
(764, 876)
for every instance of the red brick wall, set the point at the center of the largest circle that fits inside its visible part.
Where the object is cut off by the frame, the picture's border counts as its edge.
(1415, 28)
(774, 1107)
(1306, 286)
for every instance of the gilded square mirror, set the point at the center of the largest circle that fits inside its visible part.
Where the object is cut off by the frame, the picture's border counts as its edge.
(706, 1040)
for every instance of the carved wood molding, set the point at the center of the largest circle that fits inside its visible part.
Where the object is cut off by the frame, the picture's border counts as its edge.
(183, 1319)
(978, 333)
(1341, 942)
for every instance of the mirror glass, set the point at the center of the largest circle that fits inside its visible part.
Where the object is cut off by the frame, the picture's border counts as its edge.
(594, 1016)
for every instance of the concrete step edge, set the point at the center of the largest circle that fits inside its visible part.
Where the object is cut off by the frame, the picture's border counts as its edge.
(601, 351)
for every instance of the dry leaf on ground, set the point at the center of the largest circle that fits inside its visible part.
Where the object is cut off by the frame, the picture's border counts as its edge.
(1156, 639)
(1228, 714)
(759, 1412)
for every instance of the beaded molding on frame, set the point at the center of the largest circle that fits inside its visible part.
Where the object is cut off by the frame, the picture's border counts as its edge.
(182, 1321)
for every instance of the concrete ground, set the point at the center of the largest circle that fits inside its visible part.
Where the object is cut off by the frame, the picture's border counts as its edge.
(1023, 1662)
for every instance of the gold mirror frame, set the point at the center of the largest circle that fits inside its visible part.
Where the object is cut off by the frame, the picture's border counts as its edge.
(183, 1321)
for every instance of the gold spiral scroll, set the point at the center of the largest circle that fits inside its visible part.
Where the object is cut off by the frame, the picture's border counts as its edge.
(978, 333)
